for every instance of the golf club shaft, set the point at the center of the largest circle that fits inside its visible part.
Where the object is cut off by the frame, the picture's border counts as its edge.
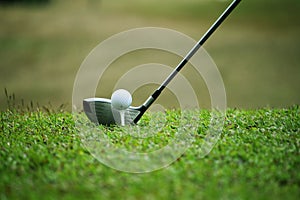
(210, 31)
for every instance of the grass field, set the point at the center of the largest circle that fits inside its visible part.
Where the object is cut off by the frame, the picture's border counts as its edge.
(257, 157)
(256, 49)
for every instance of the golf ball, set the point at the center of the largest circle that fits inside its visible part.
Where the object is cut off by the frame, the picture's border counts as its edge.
(121, 99)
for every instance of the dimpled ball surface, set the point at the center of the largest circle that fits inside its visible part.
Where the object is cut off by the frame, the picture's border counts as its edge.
(121, 99)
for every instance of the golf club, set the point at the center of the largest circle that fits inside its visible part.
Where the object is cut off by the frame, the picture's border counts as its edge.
(99, 110)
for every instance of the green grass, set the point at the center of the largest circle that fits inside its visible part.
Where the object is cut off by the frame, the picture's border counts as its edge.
(257, 157)
(256, 49)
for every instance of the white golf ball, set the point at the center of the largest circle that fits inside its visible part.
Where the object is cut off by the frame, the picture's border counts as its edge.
(121, 99)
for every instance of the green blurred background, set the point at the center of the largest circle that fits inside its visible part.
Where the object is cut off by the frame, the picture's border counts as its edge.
(42, 45)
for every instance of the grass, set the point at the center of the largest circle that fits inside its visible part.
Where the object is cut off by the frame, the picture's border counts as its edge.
(256, 49)
(257, 157)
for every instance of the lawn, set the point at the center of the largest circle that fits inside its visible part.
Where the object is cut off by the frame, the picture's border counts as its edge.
(42, 155)
(256, 49)
(257, 157)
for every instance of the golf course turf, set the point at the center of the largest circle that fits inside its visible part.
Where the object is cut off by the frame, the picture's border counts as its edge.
(257, 157)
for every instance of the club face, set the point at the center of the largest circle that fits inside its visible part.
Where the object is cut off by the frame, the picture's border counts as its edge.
(100, 111)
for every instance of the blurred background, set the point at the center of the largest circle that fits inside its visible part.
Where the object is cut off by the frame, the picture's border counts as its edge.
(44, 42)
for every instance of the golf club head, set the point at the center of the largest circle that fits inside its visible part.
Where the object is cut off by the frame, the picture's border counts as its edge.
(100, 111)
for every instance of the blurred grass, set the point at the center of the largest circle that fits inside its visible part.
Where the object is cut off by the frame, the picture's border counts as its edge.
(256, 49)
